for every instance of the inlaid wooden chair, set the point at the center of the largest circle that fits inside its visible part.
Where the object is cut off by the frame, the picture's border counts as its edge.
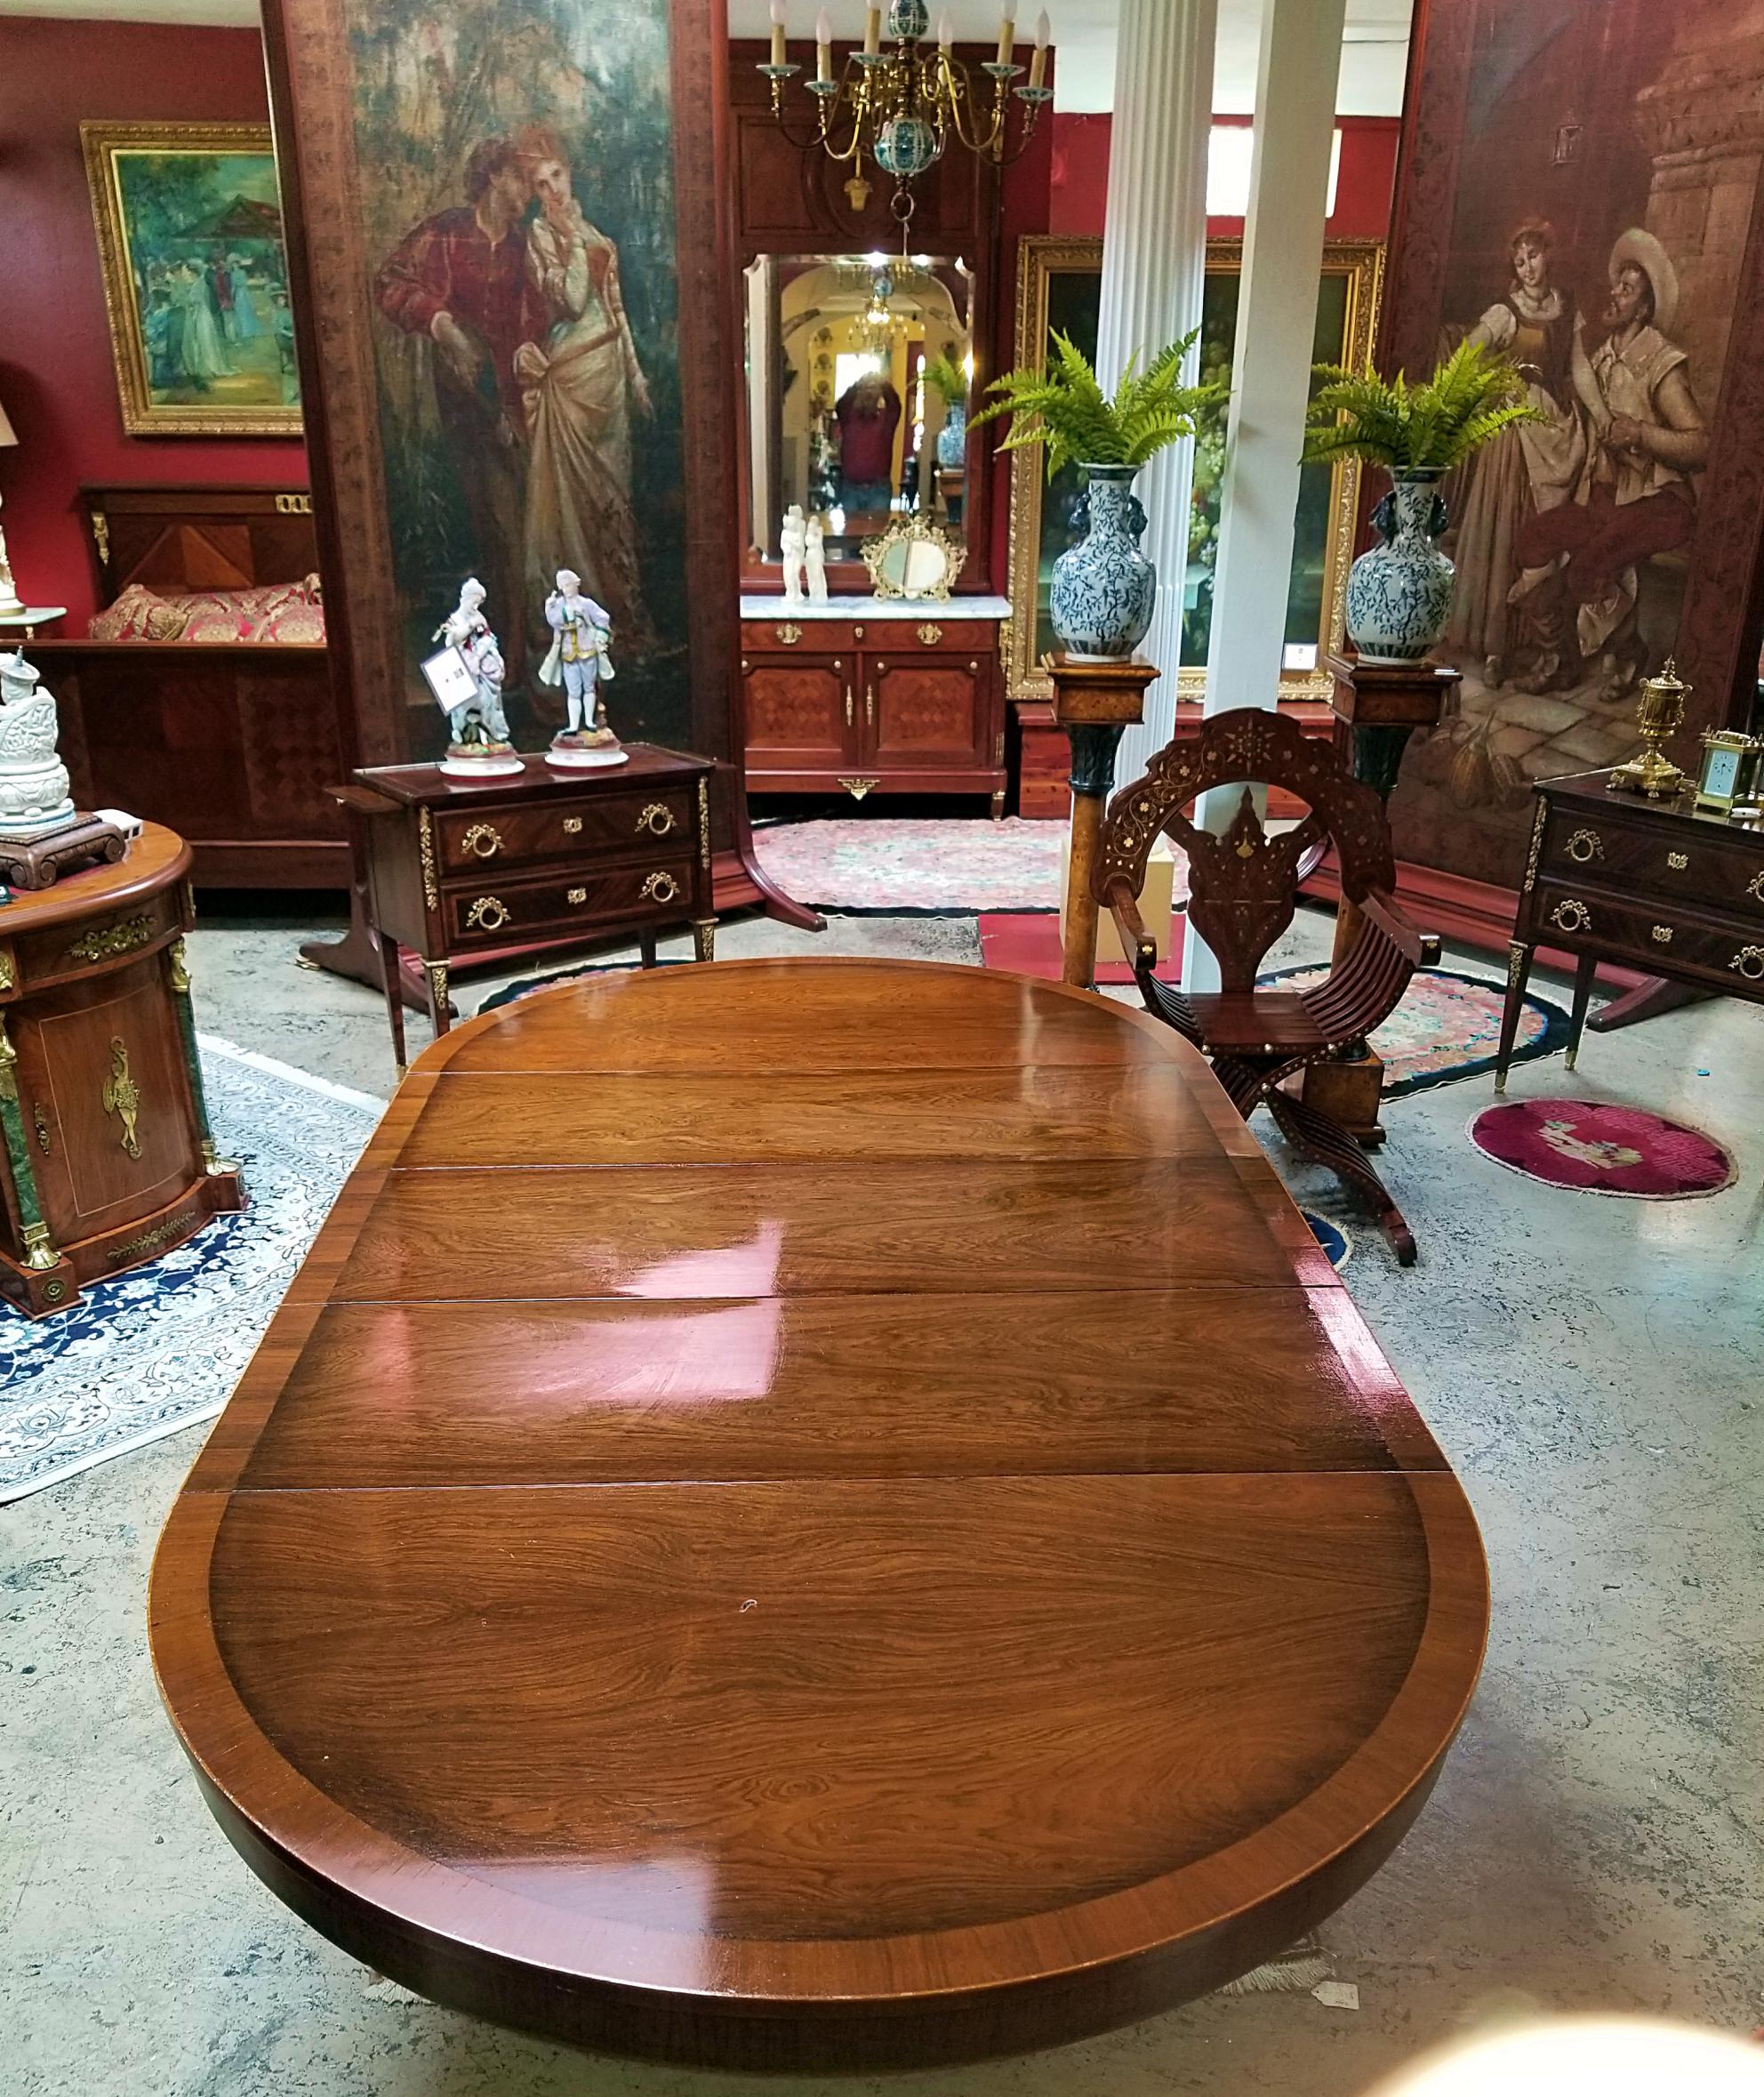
(1243, 887)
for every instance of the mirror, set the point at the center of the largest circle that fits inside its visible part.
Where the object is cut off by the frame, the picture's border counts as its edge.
(848, 361)
(1059, 286)
(913, 558)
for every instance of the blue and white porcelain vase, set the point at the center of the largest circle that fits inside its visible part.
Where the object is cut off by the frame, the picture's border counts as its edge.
(1399, 594)
(1104, 588)
(952, 437)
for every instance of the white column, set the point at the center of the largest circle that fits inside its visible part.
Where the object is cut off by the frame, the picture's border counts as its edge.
(1154, 263)
(1271, 372)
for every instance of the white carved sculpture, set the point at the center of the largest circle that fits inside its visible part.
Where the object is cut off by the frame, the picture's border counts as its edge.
(816, 562)
(793, 542)
(34, 797)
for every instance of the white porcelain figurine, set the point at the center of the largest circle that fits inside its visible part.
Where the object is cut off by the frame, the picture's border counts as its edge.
(480, 747)
(34, 798)
(793, 544)
(579, 660)
(816, 562)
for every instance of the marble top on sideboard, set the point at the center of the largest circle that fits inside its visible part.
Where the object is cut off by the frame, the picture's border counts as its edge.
(880, 607)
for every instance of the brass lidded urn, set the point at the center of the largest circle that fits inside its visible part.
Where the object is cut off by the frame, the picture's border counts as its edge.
(1658, 717)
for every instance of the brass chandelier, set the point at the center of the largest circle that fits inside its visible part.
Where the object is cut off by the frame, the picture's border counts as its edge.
(901, 106)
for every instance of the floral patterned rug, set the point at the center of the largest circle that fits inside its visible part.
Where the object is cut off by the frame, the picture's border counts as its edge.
(1448, 1027)
(1597, 1147)
(155, 1350)
(882, 864)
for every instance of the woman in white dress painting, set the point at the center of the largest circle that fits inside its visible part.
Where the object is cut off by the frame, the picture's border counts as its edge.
(1530, 467)
(581, 385)
(202, 349)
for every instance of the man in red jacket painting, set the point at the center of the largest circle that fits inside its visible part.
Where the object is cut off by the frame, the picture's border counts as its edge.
(459, 280)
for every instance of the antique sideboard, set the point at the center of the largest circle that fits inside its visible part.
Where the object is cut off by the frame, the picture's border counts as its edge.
(875, 695)
(1652, 884)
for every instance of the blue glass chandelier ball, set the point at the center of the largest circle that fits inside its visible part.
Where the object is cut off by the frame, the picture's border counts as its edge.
(908, 18)
(905, 146)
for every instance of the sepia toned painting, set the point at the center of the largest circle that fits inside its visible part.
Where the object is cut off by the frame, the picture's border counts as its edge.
(189, 223)
(514, 166)
(1599, 211)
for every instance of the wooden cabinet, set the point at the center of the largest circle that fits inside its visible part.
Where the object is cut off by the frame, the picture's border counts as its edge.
(885, 705)
(107, 1157)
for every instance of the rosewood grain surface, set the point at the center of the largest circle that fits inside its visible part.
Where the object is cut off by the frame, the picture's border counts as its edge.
(888, 1547)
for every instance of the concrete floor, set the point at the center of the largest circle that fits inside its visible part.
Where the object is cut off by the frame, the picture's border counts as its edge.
(1594, 1370)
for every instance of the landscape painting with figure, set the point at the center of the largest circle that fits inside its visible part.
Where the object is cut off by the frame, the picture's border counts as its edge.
(517, 177)
(196, 277)
(1605, 190)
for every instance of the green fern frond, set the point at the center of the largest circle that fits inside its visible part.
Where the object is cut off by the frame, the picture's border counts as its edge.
(1468, 398)
(1065, 409)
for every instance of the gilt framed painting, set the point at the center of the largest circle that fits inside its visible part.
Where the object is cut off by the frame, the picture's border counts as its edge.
(1059, 287)
(1577, 190)
(189, 220)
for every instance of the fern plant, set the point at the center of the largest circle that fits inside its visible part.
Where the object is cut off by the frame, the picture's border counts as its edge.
(947, 377)
(1469, 398)
(1064, 408)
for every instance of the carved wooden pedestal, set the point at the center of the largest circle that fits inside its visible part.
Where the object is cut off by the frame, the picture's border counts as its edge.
(1377, 707)
(107, 1158)
(1094, 703)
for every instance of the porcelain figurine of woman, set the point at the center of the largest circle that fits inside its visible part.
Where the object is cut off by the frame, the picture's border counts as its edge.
(793, 546)
(580, 660)
(480, 746)
(815, 561)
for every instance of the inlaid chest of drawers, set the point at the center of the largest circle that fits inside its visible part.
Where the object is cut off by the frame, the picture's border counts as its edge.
(1653, 885)
(463, 870)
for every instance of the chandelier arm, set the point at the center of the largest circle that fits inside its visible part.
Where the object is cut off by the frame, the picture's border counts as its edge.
(959, 89)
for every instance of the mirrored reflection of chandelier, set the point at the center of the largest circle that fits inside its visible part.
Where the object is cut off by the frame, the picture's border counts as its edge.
(899, 103)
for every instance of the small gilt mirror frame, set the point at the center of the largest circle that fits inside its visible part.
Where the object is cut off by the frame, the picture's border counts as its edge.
(908, 534)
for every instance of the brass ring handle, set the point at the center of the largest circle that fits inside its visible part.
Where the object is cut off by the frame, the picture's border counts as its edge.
(656, 820)
(1663, 934)
(483, 840)
(489, 914)
(870, 705)
(1750, 963)
(578, 896)
(1678, 860)
(1585, 844)
(572, 825)
(1571, 915)
(851, 707)
(1755, 886)
(660, 888)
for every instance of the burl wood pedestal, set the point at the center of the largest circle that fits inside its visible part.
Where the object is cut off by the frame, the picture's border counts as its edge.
(108, 1160)
(1095, 703)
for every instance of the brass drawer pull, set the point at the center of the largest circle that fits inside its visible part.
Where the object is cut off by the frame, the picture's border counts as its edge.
(578, 896)
(1663, 934)
(483, 840)
(930, 635)
(572, 826)
(788, 634)
(851, 707)
(870, 705)
(489, 914)
(1678, 860)
(656, 820)
(1571, 915)
(1754, 888)
(1750, 963)
(660, 888)
(1585, 844)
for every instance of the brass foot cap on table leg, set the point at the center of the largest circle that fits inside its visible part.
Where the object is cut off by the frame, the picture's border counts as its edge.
(1569, 1060)
(1500, 1081)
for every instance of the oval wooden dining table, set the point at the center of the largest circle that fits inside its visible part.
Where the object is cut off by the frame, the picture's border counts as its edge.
(816, 1515)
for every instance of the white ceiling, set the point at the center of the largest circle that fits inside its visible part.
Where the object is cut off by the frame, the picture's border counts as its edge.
(1373, 54)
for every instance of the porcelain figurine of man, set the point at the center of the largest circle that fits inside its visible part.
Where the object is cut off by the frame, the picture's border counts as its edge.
(580, 661)
(816, 561)
(793, 544)
(480, 740)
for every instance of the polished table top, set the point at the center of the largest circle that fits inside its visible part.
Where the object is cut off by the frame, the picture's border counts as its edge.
(809, 1514)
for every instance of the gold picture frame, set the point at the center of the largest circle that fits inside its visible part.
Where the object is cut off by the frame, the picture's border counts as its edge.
(1041, 257)
(191, 246)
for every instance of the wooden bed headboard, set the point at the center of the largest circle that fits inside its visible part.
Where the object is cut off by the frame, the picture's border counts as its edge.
(197, 537)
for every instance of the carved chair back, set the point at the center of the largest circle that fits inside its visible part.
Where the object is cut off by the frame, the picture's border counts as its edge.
(1243, 882)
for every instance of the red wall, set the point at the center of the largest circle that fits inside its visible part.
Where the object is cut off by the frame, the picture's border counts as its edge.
(1080, 177)
(56, 376)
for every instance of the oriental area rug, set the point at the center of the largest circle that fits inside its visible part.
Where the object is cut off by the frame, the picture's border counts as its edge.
(153, 1351)
(1595, 1147)
(852, 864)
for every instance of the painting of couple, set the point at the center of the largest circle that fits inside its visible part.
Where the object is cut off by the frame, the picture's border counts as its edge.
(537, 381)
